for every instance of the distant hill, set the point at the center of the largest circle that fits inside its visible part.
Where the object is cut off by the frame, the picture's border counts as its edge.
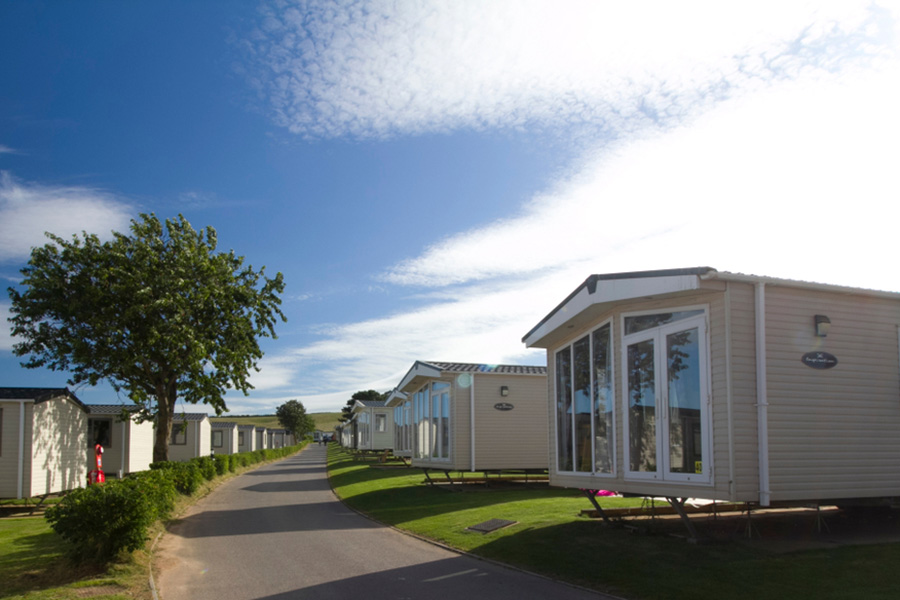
(324, 421)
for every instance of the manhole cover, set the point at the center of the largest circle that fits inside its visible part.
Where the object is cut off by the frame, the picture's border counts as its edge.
(492, 525)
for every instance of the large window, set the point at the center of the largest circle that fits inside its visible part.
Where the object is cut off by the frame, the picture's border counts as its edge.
(665, 377)
(431, 407)
(585, 419)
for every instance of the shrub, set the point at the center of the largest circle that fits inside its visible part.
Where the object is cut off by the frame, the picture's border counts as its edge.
(185, 475)
(221, 463)
(158, 486)
(100, 521)
(207, 466)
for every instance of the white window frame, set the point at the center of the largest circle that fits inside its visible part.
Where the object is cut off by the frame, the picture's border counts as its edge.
(570, 345)
(221, 443)
(657, 334)
(380, 422)
(439, 418)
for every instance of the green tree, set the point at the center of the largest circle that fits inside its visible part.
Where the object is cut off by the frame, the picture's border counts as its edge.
(347, 410)
(292, 416)
(158, 313)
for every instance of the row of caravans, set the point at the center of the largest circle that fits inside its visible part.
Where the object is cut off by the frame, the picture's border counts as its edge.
(677, 383)
(47, 436)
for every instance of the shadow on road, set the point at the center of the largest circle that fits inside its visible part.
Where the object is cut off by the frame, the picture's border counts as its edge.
(269, 519)
(449, 579)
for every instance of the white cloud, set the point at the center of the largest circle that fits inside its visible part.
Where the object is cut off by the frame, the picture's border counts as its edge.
(6, 339)
(6, 150)
(758, 184)
(373, 69)
(776, 154)
(28, 210)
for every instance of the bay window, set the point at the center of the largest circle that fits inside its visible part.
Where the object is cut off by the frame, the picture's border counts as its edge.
(585, 411)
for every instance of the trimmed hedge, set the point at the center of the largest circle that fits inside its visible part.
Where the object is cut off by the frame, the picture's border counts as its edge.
(102, 521)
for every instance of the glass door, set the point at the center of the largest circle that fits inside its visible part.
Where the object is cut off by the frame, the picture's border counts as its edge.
(665, 379)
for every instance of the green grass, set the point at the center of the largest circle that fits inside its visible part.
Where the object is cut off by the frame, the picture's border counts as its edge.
(33, 565)
(551, 538)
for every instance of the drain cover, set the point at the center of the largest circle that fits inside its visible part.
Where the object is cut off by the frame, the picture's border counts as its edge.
(492, 525)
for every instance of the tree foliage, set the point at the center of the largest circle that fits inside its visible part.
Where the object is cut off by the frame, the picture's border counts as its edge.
(158, 313)
(292, 416)
(347, 410)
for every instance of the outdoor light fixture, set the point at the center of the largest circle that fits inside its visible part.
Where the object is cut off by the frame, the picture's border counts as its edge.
(823, 324)
(504, 391)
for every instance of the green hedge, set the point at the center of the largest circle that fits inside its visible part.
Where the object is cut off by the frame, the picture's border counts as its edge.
(101, 521)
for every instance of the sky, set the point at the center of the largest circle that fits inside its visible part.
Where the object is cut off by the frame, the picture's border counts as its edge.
(433, 178)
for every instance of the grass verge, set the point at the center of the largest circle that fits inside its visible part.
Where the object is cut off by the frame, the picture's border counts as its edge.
(551, 538)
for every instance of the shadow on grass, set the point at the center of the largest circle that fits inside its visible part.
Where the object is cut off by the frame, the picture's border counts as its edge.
(396, 496)
(35, 562)
(655, 565)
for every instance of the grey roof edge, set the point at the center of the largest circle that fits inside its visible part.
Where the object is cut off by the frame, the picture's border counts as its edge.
(39, 395)
(591, 285)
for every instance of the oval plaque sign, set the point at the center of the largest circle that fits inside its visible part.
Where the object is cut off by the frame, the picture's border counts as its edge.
(504, 406)
(819, 360)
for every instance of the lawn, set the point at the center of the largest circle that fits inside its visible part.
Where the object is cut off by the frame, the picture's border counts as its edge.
(552, 538)
(33, 565)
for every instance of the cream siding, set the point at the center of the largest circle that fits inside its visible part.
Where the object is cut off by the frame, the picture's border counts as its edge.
(249, 444)
(9, 448)
(140, 446)
(58, 442)
(510, 439)
(743, 391)
(833, 433)
(504, 440)
(197, 441)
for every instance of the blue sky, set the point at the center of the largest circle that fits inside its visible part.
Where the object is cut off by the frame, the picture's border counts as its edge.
(433, 178)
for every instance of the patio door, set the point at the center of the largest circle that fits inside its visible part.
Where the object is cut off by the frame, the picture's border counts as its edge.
(666, 394)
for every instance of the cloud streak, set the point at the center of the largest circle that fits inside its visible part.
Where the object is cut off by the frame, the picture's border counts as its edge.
(331, 69)
(756, 140)
(28, 210)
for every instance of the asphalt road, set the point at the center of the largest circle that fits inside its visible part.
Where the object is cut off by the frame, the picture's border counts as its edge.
(279, 533)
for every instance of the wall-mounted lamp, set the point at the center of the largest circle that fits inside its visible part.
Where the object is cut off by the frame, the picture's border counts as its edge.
(504, 391)
(823, 324)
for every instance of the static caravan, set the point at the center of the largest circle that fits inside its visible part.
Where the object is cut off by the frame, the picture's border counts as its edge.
(473, 417)
(43, 434)
(261, 439)
(190, 436)
(707, 384)
(275, 438)
(127, 445)
(374, 426)
(246, 438)
(223, 437)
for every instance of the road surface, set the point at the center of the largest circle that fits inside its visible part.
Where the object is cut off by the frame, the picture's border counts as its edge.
(279, 533)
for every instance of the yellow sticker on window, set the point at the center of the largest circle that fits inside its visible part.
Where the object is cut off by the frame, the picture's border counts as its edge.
(698, 466)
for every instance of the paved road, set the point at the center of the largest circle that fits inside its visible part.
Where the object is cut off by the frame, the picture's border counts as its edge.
(279, 533)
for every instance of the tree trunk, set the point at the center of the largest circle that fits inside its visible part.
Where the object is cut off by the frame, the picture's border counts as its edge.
(165, 407)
